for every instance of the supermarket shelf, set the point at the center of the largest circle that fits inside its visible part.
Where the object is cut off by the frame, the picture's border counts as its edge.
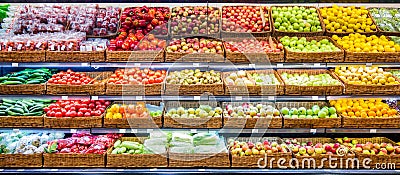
(221, 131)
(44, 64)
(361, 130)
(268, 98)
(43, 130)
(52, 97)
(356, 96)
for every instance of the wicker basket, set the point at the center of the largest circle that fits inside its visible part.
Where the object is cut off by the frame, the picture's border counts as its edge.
(154, 122)
(209, 122)
(84, 89)
(239, 90)
(329, 33)
(75, 56)
(26, 89)
(379, 57)
(4, 55)
(26, 56)
(74, 160)
(311, 90)
(21, 121)
(199, 160)
(225, 34)
(308, 123)
(135, 56)
(21, 160)
(76, 122)
(380, 31)
(267, 57)
(298, 34)
(390, 122)
(254, 161)
(251, 122)
(131, 89)
(301, 57)
(136, 160)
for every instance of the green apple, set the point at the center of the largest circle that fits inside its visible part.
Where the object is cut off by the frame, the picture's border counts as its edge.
(285, 111)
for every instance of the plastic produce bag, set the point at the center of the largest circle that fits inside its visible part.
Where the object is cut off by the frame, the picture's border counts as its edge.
(182, 137)
(155, 141)
(205, 139)
(187, 150)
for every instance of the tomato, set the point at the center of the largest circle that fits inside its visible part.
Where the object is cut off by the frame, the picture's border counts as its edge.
(158, 80)
(151, 80)
(83, 110)
(87, 102)
(87, 114)
(58, 114)
(51, 80)
(46, 109)
(113, 76)
(73, 108)
(79, 114)
(55, 81)
(145, 81)
(98, 113)
(93, 113)
(107, 103)
(101, 110)
(157, 74)
(72, 113)
(63, 112)
(91, 105)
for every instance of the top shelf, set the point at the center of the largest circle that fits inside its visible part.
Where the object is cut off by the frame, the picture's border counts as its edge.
(201, 1)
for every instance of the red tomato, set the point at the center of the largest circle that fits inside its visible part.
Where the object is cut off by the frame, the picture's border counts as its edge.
(87, 114)
(79, 114)
(72, 113)
(58, 114)
(151, 80)
(46, 109)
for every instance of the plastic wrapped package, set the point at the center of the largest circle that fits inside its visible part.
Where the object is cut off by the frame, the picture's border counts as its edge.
(186, 149)
(205, 139)
(182, 137)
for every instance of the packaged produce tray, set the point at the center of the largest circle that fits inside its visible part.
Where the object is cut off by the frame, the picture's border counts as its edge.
(135, 56)
(311, 90)
(75, 56)
(209, 122)
(253, 160)
(154, 122)
(304, 122)
(134, 89)
(381, 31)
(275, 122)
(84, 89)
(26, 56)
(21, 121)
(25, 89)
(136, 160)
(74, 160)
(21, 160)
(76, 122)
(301, 57)
(298, 34)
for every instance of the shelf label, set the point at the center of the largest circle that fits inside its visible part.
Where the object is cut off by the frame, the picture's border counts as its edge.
(153, 169)
(85, 64)
(120, 169)
(313, 130)
(137, 64)
(317, 64)
(271, 98)
(14, 64)
(193, 130)
(314, 97)
(279, 65)
(15, 130)
(202, 170)
(20, 169)
(95, 97)
(252, 66)
(368, 64)
(133, 130)
(196, 98)
(149, 130)
(254, 131)
(196, 64)
(139, 98)
(1, 169)
(53, 169)
(122, 130)
(64, 97)
(238, 98)
(73, 131)
(372, 131)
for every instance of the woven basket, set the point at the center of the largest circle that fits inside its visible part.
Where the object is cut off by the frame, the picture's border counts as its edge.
(4, 55)
(267, 57)
(75, 56)
(76, 122)
(239, 90)
(251, 122)
(380, 31)
(253, 160)
(298, 34)
(74, 160)
(379, 57)
(26, 89)
(311, 90)
(84, 89)
(131, 89)
(209, 122)
(328, 33)
(308, 123)
(393, 122)
(225, 34)
(154, 122)
(199, 160)
(301, 57)
(21, 121)
(26, 56)
(21, 160)
(136, 160)
(135, 56)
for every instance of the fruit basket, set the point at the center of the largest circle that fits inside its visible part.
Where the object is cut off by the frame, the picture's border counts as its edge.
(73, 122)
(4, 56)
(246, 87)
(209, 115)
(328, 32)
(314, 88)
(145, 160)
(310, 33)
(273, 89)
(250, 157)
(308, 115)
(257, 56)
(132, 122)
(173, 88)
(209, 50)
(26, 56)
(380, 17)
(21, 160)
(274, 120)
(263, 21)
(75, 56)
(328, 56)
(95, 87)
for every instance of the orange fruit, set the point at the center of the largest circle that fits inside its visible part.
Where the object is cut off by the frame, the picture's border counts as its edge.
(351, 114)
(385, 115)
(379, 114)
(364, 115)
(371, 114)
(344, 114)
(357, 114)
(373, 108)
(384, 111)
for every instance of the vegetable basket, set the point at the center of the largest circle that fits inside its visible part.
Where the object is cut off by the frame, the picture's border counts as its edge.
(21, 160)
(75, 122)
(74, 160)
(26, 56)
(75, 56)
(135, 56)
(217, 160)
(21, 121)
(374, 19)
(26, 89)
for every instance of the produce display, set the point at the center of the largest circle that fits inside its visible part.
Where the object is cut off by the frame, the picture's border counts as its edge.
(26, 143)
(305, 79)
(106, 21)
(296, 19)
(295, 44)
(195, 45)
(364, 108)
(76, 108)
(264, 79)
(202, 142)
(138, 110)
(239, 78)
(395, 73)
(369, 147)
(203, 111)
(129, 147)
(386, 18)
(192, 20)
(362, 75)
(396, 39)
(314, 112)
(193, 77)
(25, 107)
(131, 42)
(312, 149)
(243, 19)
(71, 78)
(240, 148)
(137, 76)
(251, 110)
(361, 43)
(347, 19)
(27, 76)
(253, 46)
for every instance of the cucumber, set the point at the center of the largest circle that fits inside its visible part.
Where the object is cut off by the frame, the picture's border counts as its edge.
(3, 78)
(3, 113)
(3, 107)
(7, 104)
(17, 110)
(37, 81)
(16, 79)
(10, 101)
(37, 74)
(11, 82)
(33, 114)
(29, 104)
(11, 113)
(36, 109)
(43, 100)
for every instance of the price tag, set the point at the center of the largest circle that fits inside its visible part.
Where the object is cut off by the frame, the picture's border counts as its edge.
(120, 170)
(14, 64)
(139, 98)
(15, 130)
(368, 64)
(196, 98)
(153, 169)
(73, 131)
(122, 130)
(1, 169)
(313, 130)
(317, 64)
(372, 131)
(149, 130)
(85, 64)
(202, 170)
(254, 131)
(193, 130)
(133, 130)
(20, 169)
(64, 97)
(53, 169)
(252, 66)
(10, 49)
(137, 64)
(238, 98)
(279, 65)
(314, 97)
(271, 98)
(95, 97)
(196, 64)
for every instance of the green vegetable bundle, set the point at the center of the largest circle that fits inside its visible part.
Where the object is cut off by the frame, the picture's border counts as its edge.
(27, 76)
(23, 107)
(128, 147)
